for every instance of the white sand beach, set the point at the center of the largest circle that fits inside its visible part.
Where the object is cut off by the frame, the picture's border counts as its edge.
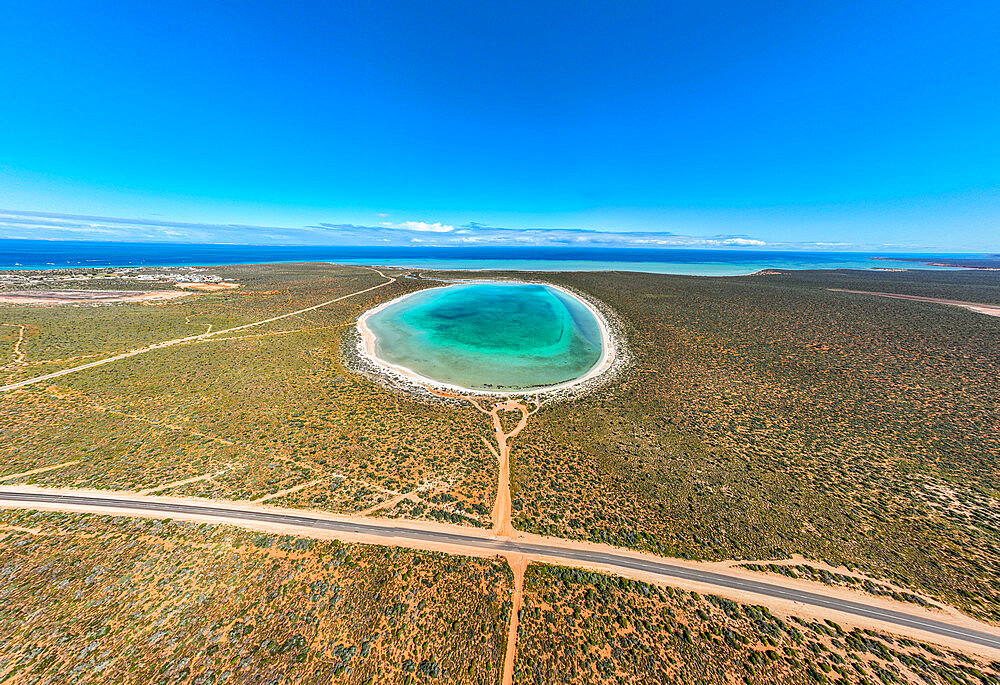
(367, 347)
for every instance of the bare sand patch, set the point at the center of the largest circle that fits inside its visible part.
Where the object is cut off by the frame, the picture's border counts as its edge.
(50, 297)
(210, 287)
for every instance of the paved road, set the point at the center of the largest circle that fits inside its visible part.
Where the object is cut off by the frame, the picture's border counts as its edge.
(502, 546)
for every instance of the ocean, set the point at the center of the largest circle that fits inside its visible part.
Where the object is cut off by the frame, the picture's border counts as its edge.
(55, 254)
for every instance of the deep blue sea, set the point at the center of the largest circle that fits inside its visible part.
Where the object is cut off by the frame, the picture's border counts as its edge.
(52, 254)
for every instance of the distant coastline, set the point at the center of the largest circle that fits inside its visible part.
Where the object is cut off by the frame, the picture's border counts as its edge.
(985, 262)
(18, 254)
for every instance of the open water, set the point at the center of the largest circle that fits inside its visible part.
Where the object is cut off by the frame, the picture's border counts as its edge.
(486, 336)
(62, 254)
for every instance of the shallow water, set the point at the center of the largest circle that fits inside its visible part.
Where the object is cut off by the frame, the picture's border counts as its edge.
(490, 336)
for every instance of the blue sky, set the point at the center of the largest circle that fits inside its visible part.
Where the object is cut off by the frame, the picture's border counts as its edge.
(843, 125)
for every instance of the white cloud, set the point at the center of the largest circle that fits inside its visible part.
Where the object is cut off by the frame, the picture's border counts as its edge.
(46, 225)
(651, 241)
(422, 226)
(743, 241)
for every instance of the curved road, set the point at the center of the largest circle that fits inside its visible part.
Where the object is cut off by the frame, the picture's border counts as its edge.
(507, 546)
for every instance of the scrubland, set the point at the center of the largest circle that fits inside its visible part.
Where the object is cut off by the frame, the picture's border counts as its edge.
(94, 599)
(100, 599)
(758, 417)
(580, 627)
(764, 416)
(249, 414)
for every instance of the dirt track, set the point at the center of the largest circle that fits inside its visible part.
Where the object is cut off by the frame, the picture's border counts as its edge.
(18, 350)
(988, 309)
(191, 338)
(518, 564)
(782, 595)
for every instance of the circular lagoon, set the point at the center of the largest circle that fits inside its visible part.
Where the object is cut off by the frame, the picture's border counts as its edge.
(488, 337)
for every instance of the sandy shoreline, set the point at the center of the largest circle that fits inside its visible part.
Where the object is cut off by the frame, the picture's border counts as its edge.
(366, 347)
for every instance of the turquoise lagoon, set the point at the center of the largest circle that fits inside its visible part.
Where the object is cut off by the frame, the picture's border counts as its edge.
(490, 336)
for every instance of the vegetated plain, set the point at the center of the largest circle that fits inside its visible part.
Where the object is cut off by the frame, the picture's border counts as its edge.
(580, 627)
(96, 599)
(758, 417)
(251, 415)
(766, 415)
